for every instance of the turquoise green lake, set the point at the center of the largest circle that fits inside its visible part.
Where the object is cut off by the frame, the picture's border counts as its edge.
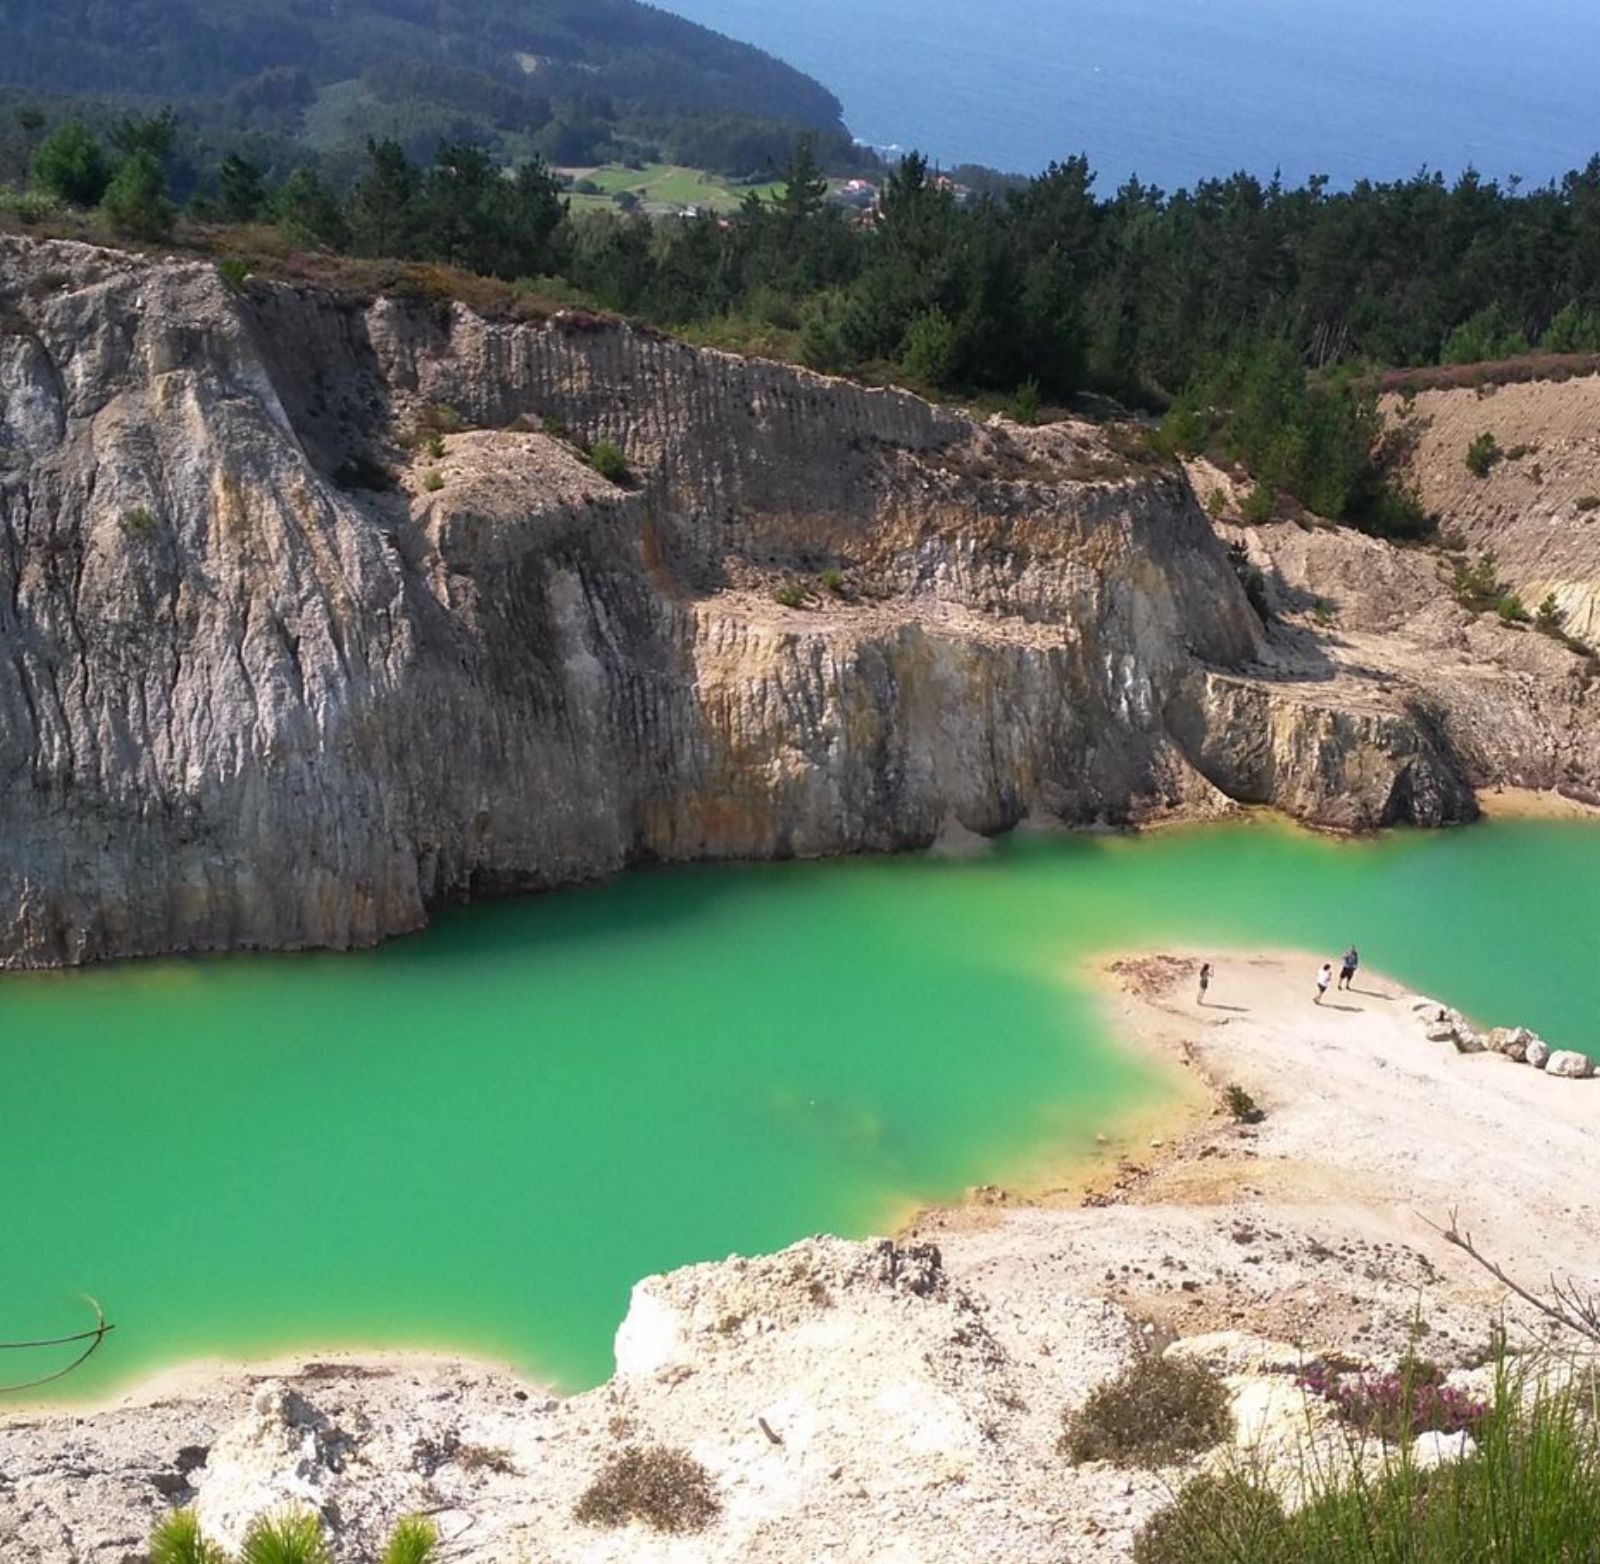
(479, 1138)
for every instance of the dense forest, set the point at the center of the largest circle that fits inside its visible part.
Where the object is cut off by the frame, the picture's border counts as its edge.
(1249, 314)
(573, 81)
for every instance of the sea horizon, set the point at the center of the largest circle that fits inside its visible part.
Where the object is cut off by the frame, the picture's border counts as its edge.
(1174, 92)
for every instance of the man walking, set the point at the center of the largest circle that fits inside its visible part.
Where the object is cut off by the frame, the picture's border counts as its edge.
(1347, 968)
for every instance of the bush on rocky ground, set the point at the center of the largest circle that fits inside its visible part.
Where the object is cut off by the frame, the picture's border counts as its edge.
(667, 1489)
(1411, 1401)
(607, 460)
(1156, 1411)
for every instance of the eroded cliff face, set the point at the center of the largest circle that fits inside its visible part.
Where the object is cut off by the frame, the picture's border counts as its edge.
(244, 703)
(1537, 509)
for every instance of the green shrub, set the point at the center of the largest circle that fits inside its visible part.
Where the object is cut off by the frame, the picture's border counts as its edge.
(1260, 504)
(1482, 455)
(1216, 503)
(1025, 404)
(31, 206)
(233, 272)
(1477, 586)
(822, 343)
(1158, 1410)
(832, 580)
(177, 1540)
(1241, 1105)
(667, 1489)
(1573, 329)
(553, 426)
(1488, 335)
(1510, 609)
(71, 165)
(1551, 616)
(1215, 1520)
(607, 459)
(140, 522)
(414, 1540)
(294, 1537)
(928, 351)
(1324, 610)
(791, 594)
(435, 446)
(433, 483)
(135, 203)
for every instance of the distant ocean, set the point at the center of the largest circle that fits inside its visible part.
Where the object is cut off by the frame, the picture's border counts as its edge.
(1177, 89)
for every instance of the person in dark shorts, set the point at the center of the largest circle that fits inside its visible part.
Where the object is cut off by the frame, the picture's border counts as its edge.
(1347, 967)
(1205, 982)
(1324, 978)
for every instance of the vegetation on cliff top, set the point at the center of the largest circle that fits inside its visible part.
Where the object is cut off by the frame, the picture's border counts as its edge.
(1253, 315)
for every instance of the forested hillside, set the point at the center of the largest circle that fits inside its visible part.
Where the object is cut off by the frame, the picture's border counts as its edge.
(571, 80)
(1254, 316)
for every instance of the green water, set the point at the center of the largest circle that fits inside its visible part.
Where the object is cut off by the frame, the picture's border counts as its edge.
(479, 1138)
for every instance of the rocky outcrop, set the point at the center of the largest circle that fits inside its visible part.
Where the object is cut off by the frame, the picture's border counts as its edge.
(247, 702)
(1368, 638)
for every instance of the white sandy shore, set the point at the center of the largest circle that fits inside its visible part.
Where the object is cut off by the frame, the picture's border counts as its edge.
(919, 1423)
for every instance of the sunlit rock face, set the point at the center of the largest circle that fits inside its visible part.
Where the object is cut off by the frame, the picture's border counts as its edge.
(314, 616)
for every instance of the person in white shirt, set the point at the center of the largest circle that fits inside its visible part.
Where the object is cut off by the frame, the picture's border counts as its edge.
(1324, 978)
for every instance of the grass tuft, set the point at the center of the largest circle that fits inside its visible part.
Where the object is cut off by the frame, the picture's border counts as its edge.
(177, 1540)
(414, 1540)
(294, 1537)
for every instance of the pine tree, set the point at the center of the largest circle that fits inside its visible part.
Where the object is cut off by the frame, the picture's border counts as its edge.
(71, 165)
(136, 202)
(383, 208)
(241, 192)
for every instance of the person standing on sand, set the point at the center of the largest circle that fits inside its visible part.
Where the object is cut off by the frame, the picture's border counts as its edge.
(1324, 978)
(1347, 967)
(1205, 982)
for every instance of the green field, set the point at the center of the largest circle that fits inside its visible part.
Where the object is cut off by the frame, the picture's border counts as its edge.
(659, 185)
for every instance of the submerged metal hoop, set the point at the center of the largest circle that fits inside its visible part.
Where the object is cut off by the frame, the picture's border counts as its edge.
(93, 1337)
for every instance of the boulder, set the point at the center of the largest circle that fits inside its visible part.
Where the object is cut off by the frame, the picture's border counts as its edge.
(1512, 1041)
(1467, 1041)
(1570, 1064)
(1442, 1032)
(1538, 1054)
